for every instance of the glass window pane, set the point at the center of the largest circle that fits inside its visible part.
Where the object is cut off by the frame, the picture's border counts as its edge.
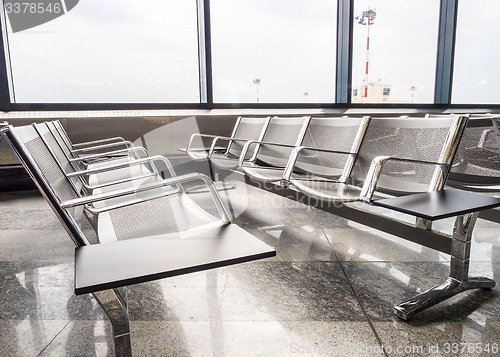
(113, 51)
(394, 57)
(279, 51)
(476, 75)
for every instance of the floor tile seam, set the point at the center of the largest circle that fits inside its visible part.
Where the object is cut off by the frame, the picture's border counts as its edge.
(370, 323)
(55, 337)
(365, 313)
(301, 320)
(223, 294)
(400, 261)
(315, 214)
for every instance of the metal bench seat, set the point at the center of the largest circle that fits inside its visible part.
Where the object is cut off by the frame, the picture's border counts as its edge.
(272, 152)
(396, 156)
(324, 151)
(327, 191)
(248, 129)
(102, 153)
(227, 149)
(96, 174)
(402, 157)
(151, 230)
(91, 151)
(477, 163)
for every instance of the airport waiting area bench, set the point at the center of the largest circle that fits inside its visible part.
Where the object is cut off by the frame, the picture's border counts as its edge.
(397, 164)
(141, 229)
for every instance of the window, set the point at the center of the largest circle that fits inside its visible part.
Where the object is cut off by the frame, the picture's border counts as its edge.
(476, 75)
(278, 51)
(110, 51)
(400, 55)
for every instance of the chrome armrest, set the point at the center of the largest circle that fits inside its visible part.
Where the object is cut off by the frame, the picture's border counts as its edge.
(193, 136)
(131, 150)
(226, 138)
(249, 143)
(484, 138)
(226, 218)
(102, 147)
(287, 174)
(91, 188)
(375, 170)
(97, 142)
(116, 166)
(112, 167)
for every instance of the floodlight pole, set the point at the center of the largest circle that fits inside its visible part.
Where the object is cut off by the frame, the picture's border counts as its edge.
(368, 15)
(256, 81)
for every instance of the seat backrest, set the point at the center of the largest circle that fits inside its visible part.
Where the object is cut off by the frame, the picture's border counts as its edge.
(56, 124)
(47, 175)
(288, 131)
(247, 129)
(496, 130)
(2, 125)
(61, 140)
(422, 139)
(336, 134)
(57, 148)
(478, 156)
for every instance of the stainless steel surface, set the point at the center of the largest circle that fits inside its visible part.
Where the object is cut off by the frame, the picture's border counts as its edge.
(355, 148)
(244, 130)
(458, 280)
(376, 168)
(449, 150)
(117, 313)
(43, 185)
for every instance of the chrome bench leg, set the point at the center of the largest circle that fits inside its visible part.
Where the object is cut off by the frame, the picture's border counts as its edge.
(114, 304)
(458, 280)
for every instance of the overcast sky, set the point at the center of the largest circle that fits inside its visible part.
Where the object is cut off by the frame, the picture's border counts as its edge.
(131, 51)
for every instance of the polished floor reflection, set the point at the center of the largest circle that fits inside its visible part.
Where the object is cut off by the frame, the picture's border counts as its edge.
(328, 292)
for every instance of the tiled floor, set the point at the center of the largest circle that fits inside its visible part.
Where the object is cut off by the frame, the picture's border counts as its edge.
(329, 292)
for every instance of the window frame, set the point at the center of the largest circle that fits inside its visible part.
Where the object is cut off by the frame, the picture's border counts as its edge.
(442, 91)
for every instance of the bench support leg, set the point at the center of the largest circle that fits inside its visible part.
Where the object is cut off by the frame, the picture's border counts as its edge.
(458, 280)
(114, 304)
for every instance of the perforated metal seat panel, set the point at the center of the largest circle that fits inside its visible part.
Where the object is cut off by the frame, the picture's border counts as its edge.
(248, 129)
(175, 213)
(163, 215)
(263, 174)
(327, 191)
(477, 162)
(51, 171)
(224, 163)
(336, 134)
(412, 138)
(288, 131)
(431, 141)
(198, 155)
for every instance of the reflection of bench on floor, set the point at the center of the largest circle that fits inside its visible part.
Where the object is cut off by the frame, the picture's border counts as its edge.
(400, 159)
(151, 227)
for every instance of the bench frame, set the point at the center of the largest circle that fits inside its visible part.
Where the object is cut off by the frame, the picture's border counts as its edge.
(457, 244)
(228, 243)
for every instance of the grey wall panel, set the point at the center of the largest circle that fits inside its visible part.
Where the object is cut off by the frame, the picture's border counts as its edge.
(160, 135)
